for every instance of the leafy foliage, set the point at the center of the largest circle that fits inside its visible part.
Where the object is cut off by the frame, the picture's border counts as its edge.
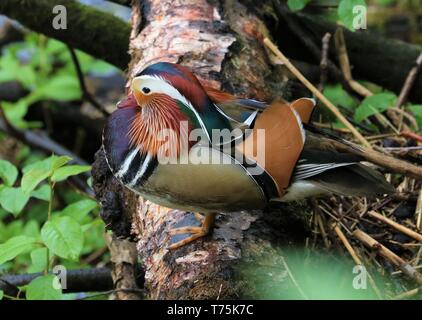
(63, 173)
(63, 236)
(8, 172)
(64, 233)
(417, 111)
(43, 221)
(296, 5)
(376, 103)
(13, 199)
(44, 288)
(337, 95)
(14, 247)
(346, 10)
(43, 67)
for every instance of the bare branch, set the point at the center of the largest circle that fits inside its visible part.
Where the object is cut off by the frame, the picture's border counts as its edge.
(96, 32)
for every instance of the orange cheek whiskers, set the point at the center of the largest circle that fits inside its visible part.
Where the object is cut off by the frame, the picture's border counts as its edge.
(157, 124)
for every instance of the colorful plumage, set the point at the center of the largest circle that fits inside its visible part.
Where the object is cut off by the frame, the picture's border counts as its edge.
(167, 104)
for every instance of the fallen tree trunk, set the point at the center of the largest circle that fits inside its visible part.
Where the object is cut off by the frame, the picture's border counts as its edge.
(368, 53)
(82, 280)
(95, 32)
(223, 54)
(385, 62)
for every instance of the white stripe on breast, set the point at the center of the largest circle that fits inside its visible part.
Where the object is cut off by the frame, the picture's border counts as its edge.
(125, 166)
(141, 172)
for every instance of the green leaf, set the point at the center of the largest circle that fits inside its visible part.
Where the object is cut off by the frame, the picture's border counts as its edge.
(58, 162)
(1, 294)
(417, 111)
(297, 5)
(12, 229)
(38, 260)
(32, 229)
(13, 199)
(31, 179)
(347, 12)
(337, 95)
(63, 236)
(15, 246)
(41, 170)
(8, 172)
(374, 104)
(36, 172)
(67, 171)
(79, 209)
(42, 193)
(15, 112)
(62, 87)
(43, 288)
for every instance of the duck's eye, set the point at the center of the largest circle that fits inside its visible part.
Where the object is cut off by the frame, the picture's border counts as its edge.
(146, 90)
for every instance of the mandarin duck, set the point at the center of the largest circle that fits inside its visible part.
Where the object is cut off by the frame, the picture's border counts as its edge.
(291, 164)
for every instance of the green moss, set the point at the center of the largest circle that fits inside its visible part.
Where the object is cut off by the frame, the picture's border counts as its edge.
(98, 33)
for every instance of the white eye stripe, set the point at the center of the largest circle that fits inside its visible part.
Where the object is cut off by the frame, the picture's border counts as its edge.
(157, 84)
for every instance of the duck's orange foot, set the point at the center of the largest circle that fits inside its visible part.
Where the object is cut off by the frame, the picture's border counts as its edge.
(194, 231)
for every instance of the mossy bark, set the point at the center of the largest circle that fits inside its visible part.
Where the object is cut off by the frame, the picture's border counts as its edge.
(385, 62)
(104, 36)
(95, 32)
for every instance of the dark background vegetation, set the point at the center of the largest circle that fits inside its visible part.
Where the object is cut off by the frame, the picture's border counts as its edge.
(56, 94)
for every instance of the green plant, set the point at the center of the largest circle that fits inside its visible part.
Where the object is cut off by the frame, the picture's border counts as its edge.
(345, 11)
(44, 67)
(58, 235)
(44, 221)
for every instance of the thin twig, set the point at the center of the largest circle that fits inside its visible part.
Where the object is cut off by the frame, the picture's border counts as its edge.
(407, 294)
(343, 58)
(404, 266)
(418, 211)
(324, 60)
(125, 290)
(412, 135)
(85, 93)
(319, 222)
(355, 257)
(407, 86)
(396, 226)
(398, 272)
(330, 126)
(402, 149)
(316, 92)
(293, 279)
(381, 136)
(383, 160)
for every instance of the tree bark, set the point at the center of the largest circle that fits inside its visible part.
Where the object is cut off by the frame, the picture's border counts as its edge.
(215, 42)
